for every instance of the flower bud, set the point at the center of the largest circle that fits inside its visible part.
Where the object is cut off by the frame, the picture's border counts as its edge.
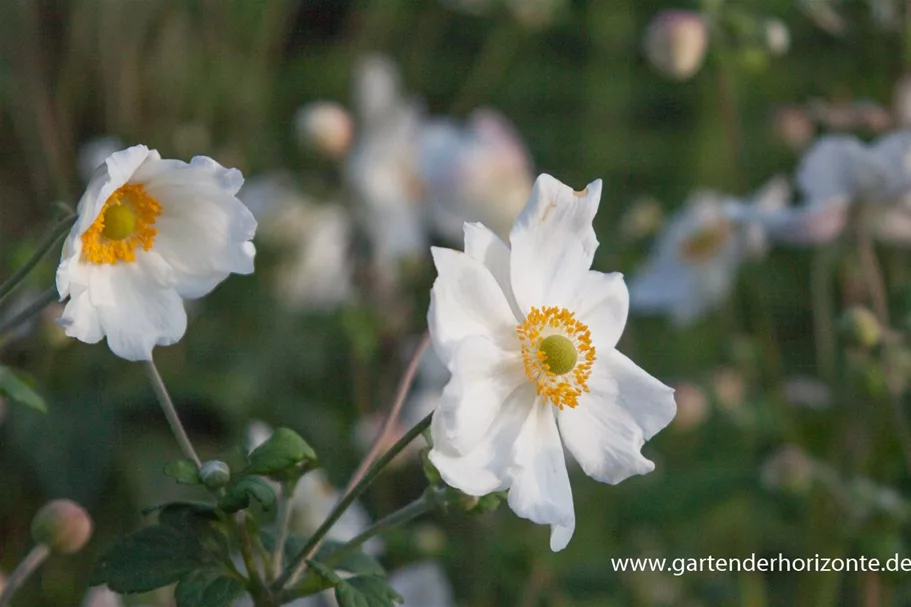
(63, 526)
(676, 42)
(215, 474)
(692, 406)
(860, 327)
(326, 127)
(790, 469)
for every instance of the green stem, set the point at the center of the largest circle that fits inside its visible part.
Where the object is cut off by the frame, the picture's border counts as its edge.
(44, 246)
(418, 507)
(283, 518)
(823, 316)
(167, 405)
(33, 308)
(296, 567)
(258, 588)
(26, 568)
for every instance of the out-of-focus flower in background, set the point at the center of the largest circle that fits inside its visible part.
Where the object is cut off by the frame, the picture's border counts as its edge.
(314, 240)
(150, 233)
(793, 126)
(325, 127)
(477, 172)
(692, 406)
(840, 172)
(423, 584)
(806, 392)
(382, 166)
(642, 219)
(491, 431)
(789, 469)
(694, 263)
(777, 36)
(676, 42)
(101, 596)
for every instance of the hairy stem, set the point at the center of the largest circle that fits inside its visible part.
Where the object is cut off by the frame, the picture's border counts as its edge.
(26, 568)
(53, 235)
(297, 567)
(167, 405)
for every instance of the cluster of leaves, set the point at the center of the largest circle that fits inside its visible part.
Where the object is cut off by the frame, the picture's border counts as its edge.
(194, 544)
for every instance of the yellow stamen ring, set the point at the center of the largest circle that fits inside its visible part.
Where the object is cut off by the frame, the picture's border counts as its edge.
(557, 353)
(706, 242)
(124, 224)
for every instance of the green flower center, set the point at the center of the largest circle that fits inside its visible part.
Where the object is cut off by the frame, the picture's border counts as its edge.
(119, 222)
(559, 353)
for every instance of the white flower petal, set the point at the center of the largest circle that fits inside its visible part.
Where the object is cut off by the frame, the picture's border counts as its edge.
(80, 319)
(486, 468)
(485, 246)
(830, 170)
(603, 305)
(540, 489)
(466, 300)
(136, 312)
(892, 155)
(553, 243)
(485, 377)
(626, 407)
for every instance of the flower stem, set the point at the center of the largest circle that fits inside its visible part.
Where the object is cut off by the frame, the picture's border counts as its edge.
(418, 507)
(44, 246)
(26, 568)
(282, 519)
(394, 411)
(299, 564)
(874, 277)
(171, 413)
(33, 308)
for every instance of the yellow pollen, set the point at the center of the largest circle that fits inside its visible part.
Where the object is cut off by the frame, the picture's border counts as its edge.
(558, 354)
(703, 245)
(125, 223)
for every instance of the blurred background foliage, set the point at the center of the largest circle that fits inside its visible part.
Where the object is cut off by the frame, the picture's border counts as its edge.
(225, 78)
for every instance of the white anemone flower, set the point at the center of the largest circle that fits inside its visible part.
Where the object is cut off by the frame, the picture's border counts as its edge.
(480, 172)
(695, 260)
(149, 233)
(528, 332)
(843, 180)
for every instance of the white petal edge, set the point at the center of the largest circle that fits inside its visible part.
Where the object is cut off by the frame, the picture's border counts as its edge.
(603, 305)
(482, 244)
(540, 488)
(553, 243)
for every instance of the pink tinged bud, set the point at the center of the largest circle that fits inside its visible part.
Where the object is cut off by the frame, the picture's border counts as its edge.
(326, 127)
(63, 526)
(676, 42)
(794, 127)
(777, 36)
(692, 406)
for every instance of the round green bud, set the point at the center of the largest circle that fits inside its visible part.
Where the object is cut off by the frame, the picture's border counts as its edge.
(215, 474)
(63, 526)
(860, 327)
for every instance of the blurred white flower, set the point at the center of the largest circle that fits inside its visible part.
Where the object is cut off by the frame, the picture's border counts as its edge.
(313, 500)
(422, 584)
(793, 126)
(806, 392)
(479, 172)
(93, 153)
(529, 333)
(324, 126)
(777, 36)
(694, 262)
(150, 233)
(382, 166)
(101, 596)
(839, 172)
(676, 42)
(535, 13)
(315, 270)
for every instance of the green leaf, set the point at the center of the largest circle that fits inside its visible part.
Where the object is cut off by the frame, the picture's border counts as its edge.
(324, 572)
(183, 515)
(18, 389)
(148, 559)
(355, 561)
(208, 588)
(283, 453)
(366, 591)
(251, 487)
(183, 471)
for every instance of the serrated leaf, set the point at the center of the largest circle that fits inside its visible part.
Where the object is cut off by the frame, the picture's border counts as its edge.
(251, 487)
(183, 471)
(324, 572)
(366, 591)
(207, 588)
(356, 561)
(282, 453)
(148, 559)
(13, 386)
